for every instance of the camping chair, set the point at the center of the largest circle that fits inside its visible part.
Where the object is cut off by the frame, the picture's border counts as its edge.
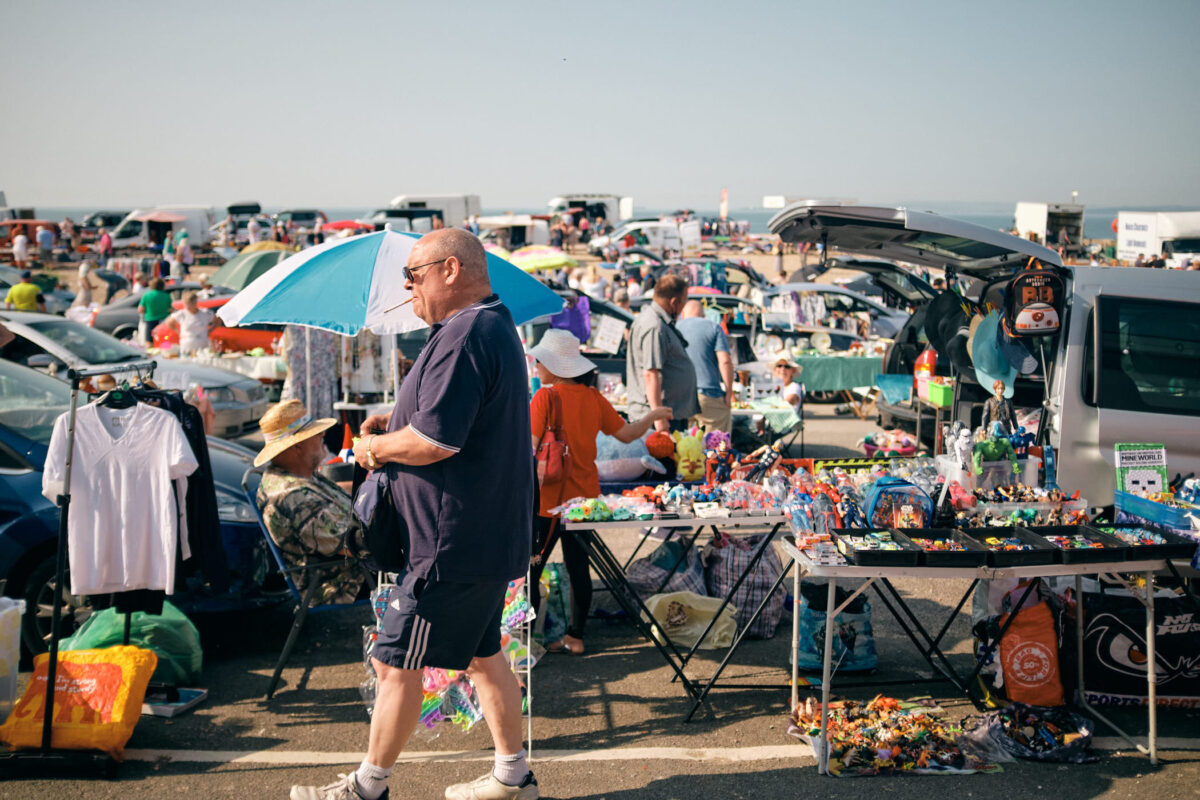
(300, 599)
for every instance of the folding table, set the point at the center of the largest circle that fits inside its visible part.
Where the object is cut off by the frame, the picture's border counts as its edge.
(879, 578)
(612, 573)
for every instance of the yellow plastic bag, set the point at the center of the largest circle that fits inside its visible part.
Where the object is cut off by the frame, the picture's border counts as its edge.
(98, 698)
(685, 615)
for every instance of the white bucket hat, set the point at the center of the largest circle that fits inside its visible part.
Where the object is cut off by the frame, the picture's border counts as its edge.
(558, 351)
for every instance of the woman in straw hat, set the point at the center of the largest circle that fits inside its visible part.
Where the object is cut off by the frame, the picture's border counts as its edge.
(569, 377)
(310, 518)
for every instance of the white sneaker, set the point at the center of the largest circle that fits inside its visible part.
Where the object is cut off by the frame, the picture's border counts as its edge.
(344, 788)
(489, 788)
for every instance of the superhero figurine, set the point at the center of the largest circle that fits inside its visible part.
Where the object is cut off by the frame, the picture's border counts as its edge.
(718, 464)
(767, 457)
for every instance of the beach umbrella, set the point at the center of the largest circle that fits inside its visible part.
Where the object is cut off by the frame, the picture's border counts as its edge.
(345, 225)
(243, 269)
(497, 250)
(539, 256)
(266, 245)
(346, 285)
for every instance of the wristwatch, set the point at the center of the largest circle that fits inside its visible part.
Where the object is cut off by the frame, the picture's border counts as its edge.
(371, 462)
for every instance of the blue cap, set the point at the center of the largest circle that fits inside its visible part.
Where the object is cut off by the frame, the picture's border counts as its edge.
(990, 363)
(26, 274)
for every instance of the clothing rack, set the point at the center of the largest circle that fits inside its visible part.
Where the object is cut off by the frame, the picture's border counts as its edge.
(64, 505)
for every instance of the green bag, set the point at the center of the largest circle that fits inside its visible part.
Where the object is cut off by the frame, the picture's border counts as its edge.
(171, 635)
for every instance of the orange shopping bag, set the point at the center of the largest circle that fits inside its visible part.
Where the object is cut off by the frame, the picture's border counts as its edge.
(98, 698)
(1029, 658)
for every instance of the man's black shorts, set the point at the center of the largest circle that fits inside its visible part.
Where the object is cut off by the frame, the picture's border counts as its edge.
(431, 623)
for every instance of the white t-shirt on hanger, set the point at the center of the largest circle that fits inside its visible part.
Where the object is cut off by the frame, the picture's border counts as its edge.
(122, 528)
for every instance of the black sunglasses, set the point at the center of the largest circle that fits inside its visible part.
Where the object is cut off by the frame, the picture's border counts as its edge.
(408, 271)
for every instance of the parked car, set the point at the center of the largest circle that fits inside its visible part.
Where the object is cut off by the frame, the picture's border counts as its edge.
(882, 321)
(89, 227)
(295, 218)
(120, 317)
(30, 402)
(52, 343)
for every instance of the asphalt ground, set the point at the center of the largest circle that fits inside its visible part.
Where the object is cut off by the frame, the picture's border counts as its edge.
(608, 724)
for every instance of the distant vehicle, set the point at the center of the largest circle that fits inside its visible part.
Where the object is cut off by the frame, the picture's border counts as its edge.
(883, 321)
(89, 227)
(241, 214)
(612, 208)
(657, 236)
(144, 227)
(513, 231)
(1044, 222)
(30, 402)
(53, 344)
(418, 220)
(120, 318)
(1151, 233)
(295, 218)
(453, 208)
(9, 229)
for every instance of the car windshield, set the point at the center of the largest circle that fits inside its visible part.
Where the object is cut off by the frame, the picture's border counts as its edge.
(30, 402)
(86, 344)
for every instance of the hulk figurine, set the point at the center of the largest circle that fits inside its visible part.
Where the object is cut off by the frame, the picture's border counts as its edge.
(994, 448)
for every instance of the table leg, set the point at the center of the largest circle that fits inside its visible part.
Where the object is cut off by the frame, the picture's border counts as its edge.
(795, 634)
(1012, 617)
(1151, 680)
(712, 681)
(826, 663)
(645, 535)
(929, 649)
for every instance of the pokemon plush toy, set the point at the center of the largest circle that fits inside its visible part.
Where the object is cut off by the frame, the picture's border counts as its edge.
(689, 455)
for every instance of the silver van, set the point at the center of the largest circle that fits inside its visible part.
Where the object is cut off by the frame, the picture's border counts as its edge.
(1125, 366)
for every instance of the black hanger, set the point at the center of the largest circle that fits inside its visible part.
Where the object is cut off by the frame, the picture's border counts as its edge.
(120, 397)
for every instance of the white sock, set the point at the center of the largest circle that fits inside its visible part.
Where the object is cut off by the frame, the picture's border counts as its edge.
(371, 780)
(511, 770)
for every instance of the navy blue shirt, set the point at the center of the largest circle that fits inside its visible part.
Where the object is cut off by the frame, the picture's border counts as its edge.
(469, 516)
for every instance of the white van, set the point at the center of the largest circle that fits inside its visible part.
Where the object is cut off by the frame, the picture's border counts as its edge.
(146, 225)
(613, 208)
(1152, 233)
(512, 231)
(1138, 330)
(661, 236)
(454, 208)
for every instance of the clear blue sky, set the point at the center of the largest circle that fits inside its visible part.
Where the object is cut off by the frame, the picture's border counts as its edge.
(349, 104)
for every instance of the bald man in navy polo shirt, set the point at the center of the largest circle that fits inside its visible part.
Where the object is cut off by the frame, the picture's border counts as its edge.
(457, 450)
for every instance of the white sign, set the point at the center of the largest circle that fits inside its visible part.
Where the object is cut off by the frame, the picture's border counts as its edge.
(1137, 234)
(689, 237)
(607, 337)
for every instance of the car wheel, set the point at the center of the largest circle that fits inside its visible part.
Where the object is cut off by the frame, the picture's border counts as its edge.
(823, 397)
(40, 593)
(125, 333)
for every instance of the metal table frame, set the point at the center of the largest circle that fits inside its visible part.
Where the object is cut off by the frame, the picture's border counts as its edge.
(880, 576)
(612, 573)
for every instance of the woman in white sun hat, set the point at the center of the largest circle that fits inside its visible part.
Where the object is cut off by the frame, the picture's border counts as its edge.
(568, 396)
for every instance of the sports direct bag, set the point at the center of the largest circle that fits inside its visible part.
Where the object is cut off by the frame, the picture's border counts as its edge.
(385, 533)
(553, 458)
(98, 698)
(727, 560)
(1033, 301)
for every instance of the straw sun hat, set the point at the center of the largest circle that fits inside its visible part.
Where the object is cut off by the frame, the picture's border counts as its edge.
(558, 351)
(286, 424)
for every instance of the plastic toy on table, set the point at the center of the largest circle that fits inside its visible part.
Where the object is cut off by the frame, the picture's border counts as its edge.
(719, 462)
(767, 457)
(996, 447)
(1021, 440)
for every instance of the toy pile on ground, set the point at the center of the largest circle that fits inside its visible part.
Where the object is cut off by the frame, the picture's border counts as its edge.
(885, 737)
(1021, 731)
(449, 695)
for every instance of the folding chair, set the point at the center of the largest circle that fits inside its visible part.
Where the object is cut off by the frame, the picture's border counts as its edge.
(300, 599)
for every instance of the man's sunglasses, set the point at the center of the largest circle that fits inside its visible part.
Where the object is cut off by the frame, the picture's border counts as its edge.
(408, 271)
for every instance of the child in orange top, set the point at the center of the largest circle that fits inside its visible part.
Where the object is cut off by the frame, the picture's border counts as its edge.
(585, 412)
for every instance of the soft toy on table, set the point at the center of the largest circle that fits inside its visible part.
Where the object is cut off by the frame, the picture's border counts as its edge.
(888, 443)
(689, 455)
(617, 461)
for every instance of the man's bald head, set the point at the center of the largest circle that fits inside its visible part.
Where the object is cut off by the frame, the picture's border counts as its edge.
(691, 308)
(456, 243)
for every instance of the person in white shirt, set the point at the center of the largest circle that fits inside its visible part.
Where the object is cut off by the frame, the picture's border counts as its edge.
(139, 285)
(193, 324)
(20, 250)
(594, 284)
(184, 258)
(786, 371)
(253, 230)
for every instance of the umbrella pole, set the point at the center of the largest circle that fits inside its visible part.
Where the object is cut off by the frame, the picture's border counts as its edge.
(308, 369)
(395, 369)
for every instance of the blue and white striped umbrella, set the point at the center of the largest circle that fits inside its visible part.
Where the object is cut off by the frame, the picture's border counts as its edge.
(346, 285)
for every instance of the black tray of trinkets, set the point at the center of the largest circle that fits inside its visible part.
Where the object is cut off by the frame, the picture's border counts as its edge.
(909, 555)
(973, 554)
(1173, 545)
(1042, 551)
(1113, 549)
